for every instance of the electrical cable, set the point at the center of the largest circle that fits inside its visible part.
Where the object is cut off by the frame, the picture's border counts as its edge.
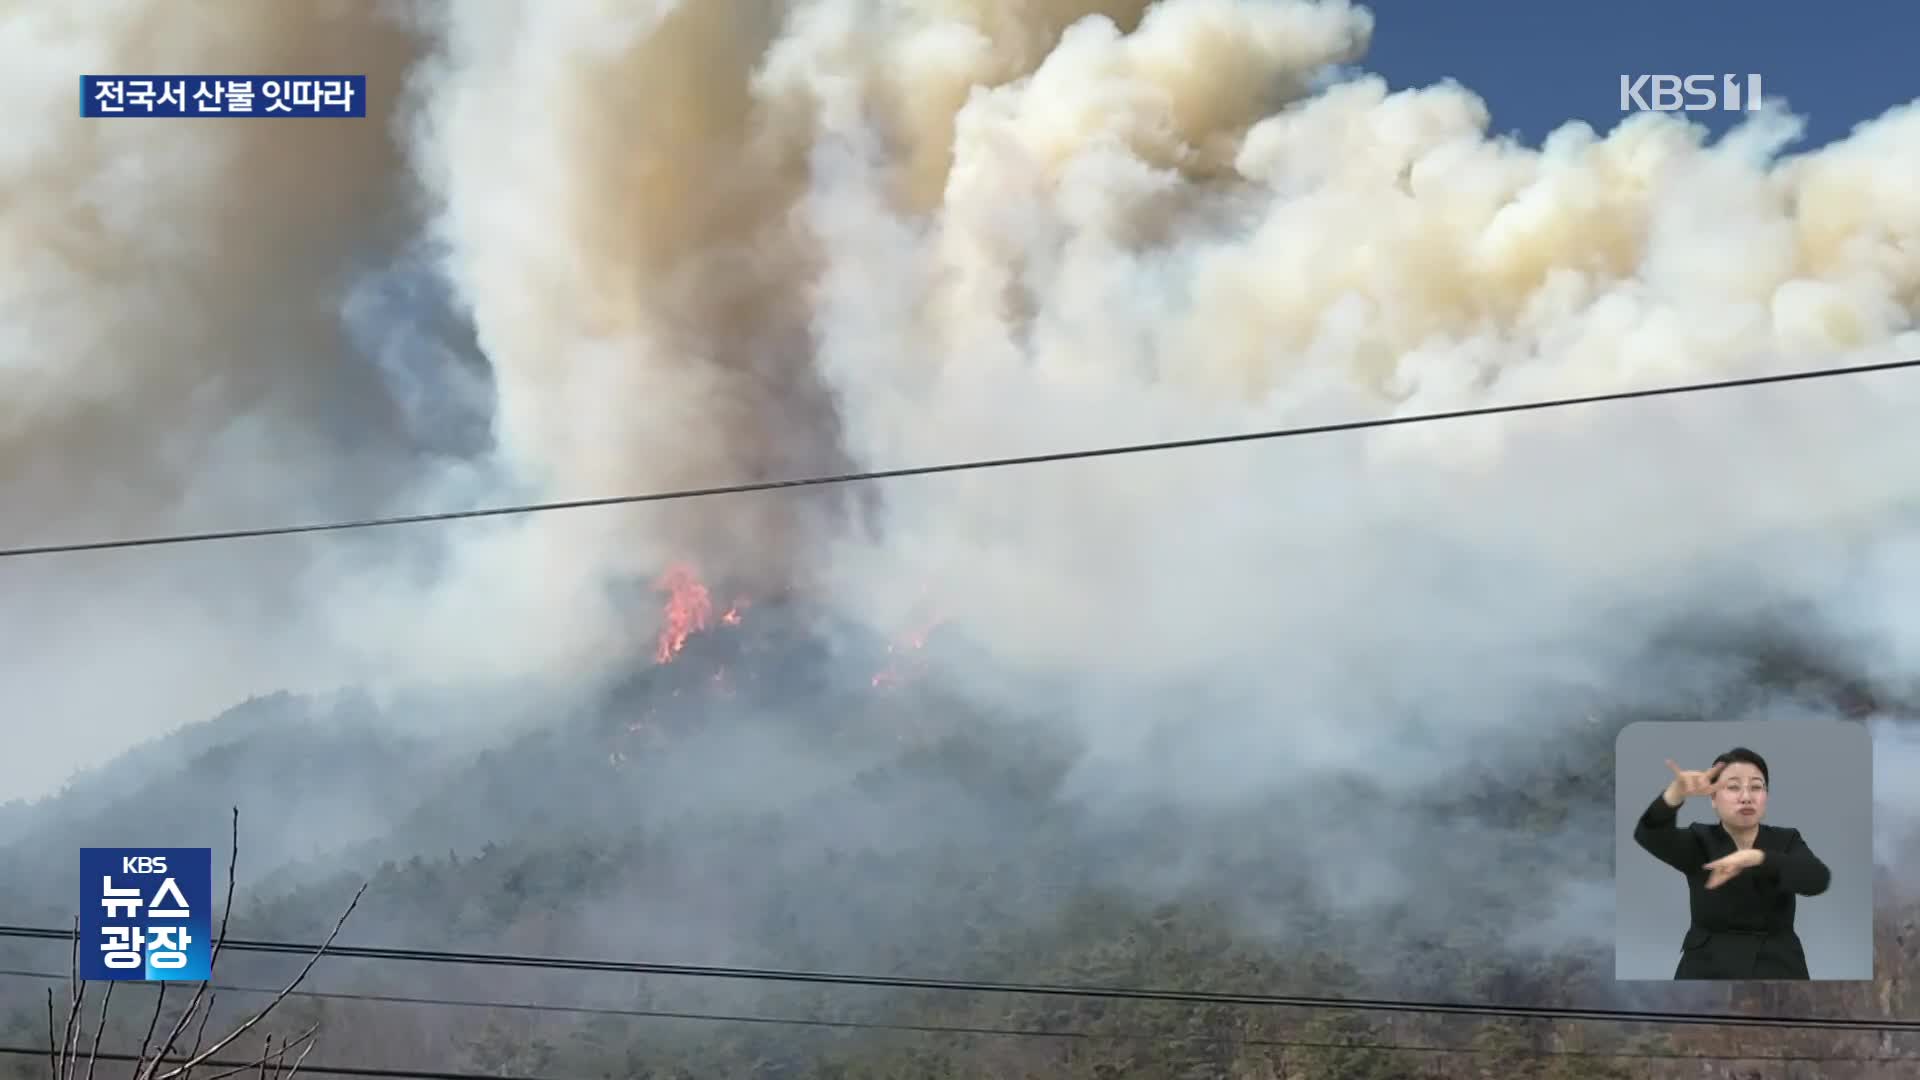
(1125, 993)
(943, 1029)
(305, 1067)
(949, 467)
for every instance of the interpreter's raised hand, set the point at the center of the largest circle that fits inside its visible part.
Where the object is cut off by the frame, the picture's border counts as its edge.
(1722, 870)
(1690, 782)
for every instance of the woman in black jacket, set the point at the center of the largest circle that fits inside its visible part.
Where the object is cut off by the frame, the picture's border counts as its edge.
(1742, 876)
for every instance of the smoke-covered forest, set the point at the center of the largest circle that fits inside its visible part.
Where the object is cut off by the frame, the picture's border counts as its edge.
(1328, 715)
(904, 833)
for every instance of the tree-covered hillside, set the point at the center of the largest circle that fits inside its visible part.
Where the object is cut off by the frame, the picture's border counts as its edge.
(768, 805)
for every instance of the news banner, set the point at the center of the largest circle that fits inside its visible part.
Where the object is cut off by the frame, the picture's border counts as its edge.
(146, 914)
(103, 96)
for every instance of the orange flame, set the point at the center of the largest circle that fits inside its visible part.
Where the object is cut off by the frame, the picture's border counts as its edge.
(689, 610)
(902, 669)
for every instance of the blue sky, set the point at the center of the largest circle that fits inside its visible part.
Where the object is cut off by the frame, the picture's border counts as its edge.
(1538, 63)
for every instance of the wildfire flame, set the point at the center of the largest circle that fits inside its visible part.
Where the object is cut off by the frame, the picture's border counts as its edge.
(905, 660)
(689, 610)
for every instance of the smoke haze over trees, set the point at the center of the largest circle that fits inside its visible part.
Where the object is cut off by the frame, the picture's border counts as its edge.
(1331, 714)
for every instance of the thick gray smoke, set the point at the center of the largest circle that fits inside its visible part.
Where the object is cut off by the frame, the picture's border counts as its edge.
(172, 357)
(707, 242)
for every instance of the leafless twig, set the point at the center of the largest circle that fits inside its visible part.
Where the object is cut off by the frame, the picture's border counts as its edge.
(63, 1043)
(99, 1029)
(277, 999)
(153, 1025)
(226, 915)
(70, 1038)
(199, 1034)
(301, 1060)
(270, 1056)
(199, 994)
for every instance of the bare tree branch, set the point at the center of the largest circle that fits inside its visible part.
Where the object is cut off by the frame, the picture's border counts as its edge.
(99, 1029)
(278, 998)
(226, 915)
(281, 1070)
(71, 1034)
(308, 1037)
(199, 1036)
(179, 1026)
(63, 1044)
(219, 942)
(73, 963)
(153, 1024)
(70, 1051)
(266, 1056)
(301, 1060)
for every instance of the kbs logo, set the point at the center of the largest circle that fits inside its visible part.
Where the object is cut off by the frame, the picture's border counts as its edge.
(1689, 93)
(146, 914)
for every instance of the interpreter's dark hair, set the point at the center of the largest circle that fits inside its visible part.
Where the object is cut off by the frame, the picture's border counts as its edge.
(1745, 756)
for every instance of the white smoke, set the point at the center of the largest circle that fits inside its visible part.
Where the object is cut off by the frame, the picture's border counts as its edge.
(701, 243)
(171, 357)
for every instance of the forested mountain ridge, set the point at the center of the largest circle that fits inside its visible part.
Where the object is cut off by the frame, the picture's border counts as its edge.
(899, 832)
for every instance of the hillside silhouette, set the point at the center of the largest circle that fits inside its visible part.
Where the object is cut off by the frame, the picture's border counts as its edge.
(778, 794)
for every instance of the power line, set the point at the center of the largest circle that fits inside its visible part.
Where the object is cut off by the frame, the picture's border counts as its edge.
(1296, 1044)
(1122, 993)
(963, 1029)
(950, 467)
(305, 1067)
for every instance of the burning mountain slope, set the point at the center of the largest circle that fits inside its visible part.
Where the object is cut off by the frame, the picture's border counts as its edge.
(777, 818)
(706, 242)
(766, 714)
(769, 649)
(980, 869)
(954, 230)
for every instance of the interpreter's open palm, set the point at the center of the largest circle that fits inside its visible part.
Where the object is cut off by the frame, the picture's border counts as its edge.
(1691, 782)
